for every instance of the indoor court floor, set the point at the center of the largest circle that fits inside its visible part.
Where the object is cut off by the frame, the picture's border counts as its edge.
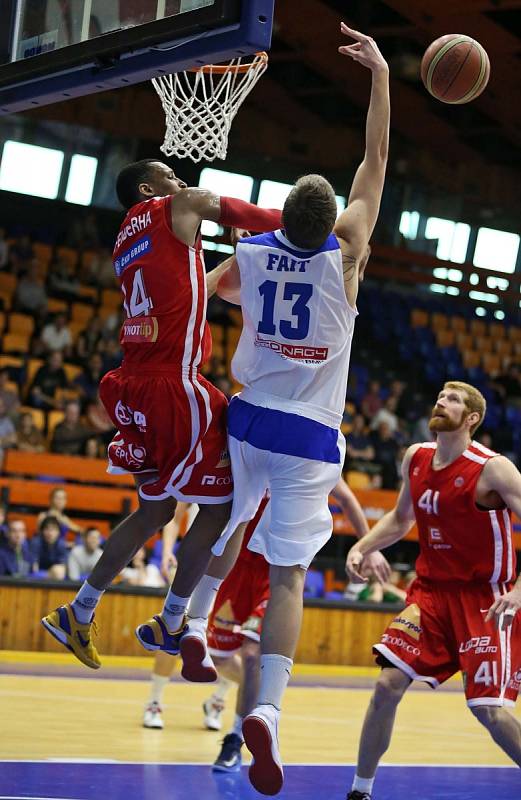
(69, 734)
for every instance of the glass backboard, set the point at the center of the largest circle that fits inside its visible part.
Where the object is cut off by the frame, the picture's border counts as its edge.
(57, 49)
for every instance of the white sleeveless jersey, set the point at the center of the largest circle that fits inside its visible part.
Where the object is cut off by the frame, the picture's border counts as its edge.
(294, 350)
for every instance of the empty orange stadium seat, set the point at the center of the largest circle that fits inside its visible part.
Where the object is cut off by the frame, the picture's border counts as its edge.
(8, 282)
(497, 330)
(439, 321)
(445, 337)
(478, 327)
(471, 359)
(483, 344)
(358, 480)
(111, 298)
(10, 361)
(68, 254)
(89, 291)
(43, 252)
(491, 363)
(53, 418)
(6, 299)
(81, 312)
(55, 306)
(514, 333)
(33, 365)
(464, 340)
(15, 343)
(503, 346)
(72, 371)
(458, 324)
(419, 318)
(21, 323)
(2, 321)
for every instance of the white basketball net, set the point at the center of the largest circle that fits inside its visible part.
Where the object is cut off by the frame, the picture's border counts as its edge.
(200, 106)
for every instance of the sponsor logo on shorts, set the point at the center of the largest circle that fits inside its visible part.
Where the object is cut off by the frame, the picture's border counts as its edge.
(481, 644)
(409, 621)
(397, 641)
(515, 681)
(140, 330)
(213, 480)
(133, 456)
(126, 416)
(252, 624)
(296, 351)
(224, 459)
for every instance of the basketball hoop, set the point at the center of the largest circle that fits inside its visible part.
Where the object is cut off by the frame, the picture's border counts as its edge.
(200, 105)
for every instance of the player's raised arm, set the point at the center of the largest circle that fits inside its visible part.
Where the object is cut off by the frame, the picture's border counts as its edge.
(357, 222)
(393, 526)
(190, 206)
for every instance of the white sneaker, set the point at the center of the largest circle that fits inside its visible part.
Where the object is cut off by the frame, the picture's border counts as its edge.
(153, 716)
(213, 710)
(260, 732)
(198, 666)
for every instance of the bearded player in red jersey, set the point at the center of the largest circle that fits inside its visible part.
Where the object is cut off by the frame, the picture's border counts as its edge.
(462, 610)
(171, 421)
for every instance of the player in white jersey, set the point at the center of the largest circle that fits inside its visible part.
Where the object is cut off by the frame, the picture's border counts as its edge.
(298, 288)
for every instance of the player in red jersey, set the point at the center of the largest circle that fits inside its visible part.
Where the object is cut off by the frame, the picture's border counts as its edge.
(460, 494)
(171, 421)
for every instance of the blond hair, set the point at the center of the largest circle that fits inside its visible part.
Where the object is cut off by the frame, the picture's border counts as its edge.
(473, 399)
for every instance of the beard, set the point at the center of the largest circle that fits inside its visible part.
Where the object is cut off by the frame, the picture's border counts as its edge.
(443, 424)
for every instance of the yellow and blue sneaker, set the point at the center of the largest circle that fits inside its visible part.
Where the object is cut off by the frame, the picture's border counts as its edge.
(154, 635)
(62, 624)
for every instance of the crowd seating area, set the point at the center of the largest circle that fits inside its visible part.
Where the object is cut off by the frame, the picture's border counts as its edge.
(60, 313)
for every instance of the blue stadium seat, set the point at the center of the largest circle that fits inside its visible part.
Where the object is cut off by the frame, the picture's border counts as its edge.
(314, 584)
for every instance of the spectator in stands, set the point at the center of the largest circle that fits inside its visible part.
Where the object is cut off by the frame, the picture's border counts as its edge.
(99, 421)
(21, 254)
(421, 431)
(508, 385)
(30, 295)
(15, 553)
(112, 355)
(62, 282)
(49, 378)
(359, 450)
(49, 549)
(89, 379)
(57, 506)
(84, 233)
(89, 340)
(92, 448)
(83, 557)
(386, 414)
(56, 336)
(4, 250)
(112, 325)
(70, 435)
(386, 451)
(141, 573)
(29, 438)
(371, 401)
(8, 395)
(100, 271)
(7, 431)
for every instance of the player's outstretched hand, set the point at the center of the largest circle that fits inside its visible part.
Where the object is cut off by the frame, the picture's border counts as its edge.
(238, 233)
(505, 608)
(168, 567)
(353, 565)
(376, 565)
(365, 50)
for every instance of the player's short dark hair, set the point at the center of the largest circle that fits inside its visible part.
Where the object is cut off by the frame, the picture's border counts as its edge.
(310, 212)
(128, 180)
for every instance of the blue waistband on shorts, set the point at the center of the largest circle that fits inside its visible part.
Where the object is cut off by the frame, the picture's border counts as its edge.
(281, 432)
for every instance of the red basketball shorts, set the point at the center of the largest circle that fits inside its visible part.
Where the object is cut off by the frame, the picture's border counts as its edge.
(442, 630)
(239, 606)
(172, 426)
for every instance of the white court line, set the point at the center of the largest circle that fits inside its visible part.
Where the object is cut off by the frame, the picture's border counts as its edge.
(209, 764)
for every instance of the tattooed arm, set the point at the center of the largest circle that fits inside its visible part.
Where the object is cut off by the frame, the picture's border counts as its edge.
(353, 268)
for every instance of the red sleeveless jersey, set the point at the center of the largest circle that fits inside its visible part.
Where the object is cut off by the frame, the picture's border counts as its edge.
(164, 291)
(458, 541)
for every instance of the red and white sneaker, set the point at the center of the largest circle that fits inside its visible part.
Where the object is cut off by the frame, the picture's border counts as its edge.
(213, 709)
(198, 666)
(153, 716)
(260, 732)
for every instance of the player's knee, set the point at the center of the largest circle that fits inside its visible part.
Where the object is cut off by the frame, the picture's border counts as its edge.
(489, 716)
(389, 688)
(217, 516)
(157, 513)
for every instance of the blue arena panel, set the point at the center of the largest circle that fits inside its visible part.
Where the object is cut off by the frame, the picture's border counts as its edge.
(120, 781)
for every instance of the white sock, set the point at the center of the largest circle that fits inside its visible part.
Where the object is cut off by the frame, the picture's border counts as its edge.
(85, 602)
(362, 785)
(174, 610)
(158, 687)
(203, 597)
(275, 672)
(221, 689)
(237, 726)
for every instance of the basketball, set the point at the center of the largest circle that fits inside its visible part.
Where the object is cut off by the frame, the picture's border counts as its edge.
(455, 68)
